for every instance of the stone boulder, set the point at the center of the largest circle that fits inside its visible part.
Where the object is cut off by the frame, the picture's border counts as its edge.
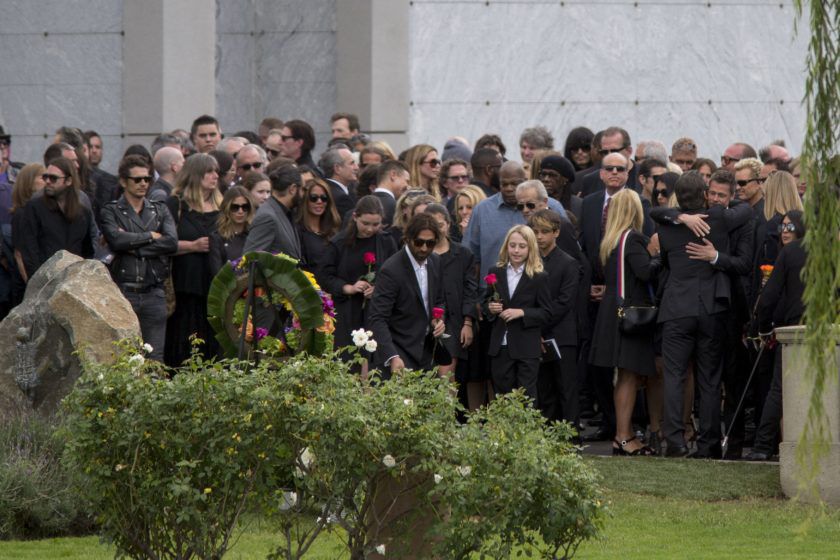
(71, 305)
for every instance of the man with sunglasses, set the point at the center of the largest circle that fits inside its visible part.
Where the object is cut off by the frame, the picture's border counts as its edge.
(142, 236)
(297, 142)
(408, 287)
(650, 171)
(250, 158)
(614, 140)
(735, 153)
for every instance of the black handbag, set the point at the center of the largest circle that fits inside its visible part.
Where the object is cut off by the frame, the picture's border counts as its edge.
(632, 319)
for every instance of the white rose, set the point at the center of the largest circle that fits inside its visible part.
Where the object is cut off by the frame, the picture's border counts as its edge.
(136, 361)
(306, 457)
(370, 345)
(438, 478)
(408, 402)
(389, 461)
(289, 501)
(360, 337)
(148, 348)
(381, 549)
(464, 470)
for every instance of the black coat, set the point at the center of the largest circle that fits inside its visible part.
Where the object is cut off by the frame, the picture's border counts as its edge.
(564, 275)
(533, 296)
(344, 201)
(780, 303)
(460, 293)
(389, 203)
(223, 250)
(400, 323)
(610, 347)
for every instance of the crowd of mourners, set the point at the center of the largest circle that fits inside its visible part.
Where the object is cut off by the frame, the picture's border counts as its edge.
(631, 291)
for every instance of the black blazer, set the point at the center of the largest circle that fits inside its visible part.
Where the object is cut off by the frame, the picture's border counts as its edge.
(389, 203)
(343, 202)
(400, 323)
(564, 275)
(780, 303)
(695, 285)
(533, 296)
(460, 290)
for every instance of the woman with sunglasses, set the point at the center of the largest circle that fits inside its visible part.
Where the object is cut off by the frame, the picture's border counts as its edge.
(259, 186)
(194, 205)
(317, 222)
(424, 168)
(29, 180)
(663, 188)
(780, 305)
(354, 258)
(578, 147)
(226, 243)
(780, 197)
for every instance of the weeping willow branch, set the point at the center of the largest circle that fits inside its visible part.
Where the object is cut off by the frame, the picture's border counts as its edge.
(821, 167)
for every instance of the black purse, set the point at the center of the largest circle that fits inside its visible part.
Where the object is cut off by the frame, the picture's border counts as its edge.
(632, 319)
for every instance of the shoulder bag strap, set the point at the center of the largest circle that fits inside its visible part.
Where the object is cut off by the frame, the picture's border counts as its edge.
(620, 267)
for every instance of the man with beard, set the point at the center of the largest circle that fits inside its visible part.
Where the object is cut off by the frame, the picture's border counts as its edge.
(56, 220)
(485, 163)
(273, 228)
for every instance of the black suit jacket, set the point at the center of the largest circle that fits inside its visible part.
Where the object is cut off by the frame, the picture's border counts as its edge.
(533, 296)
(564, 275)
(400, 323)
(780, 303)
(389, 203)
(694, 286)
(344, 202)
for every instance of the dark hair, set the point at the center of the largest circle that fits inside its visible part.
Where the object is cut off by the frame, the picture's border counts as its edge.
(444, 171)
(302, 130)
(87, 135)
(352, 120)
(490, 140)
(700, 162)
(648, 164)
(385, 168)
(779, 163)
(138, 150)
(54, 151)
(577, 138)
(483, 157)
(284, 177)
(330, 220)
(724, 177)
(252, 178)
(72, 203)
(129, 162)
(250, 136)
(690, 190)
(418, 223)
(366, 205)
(224, 159)
(796, 218)
(202, 120)
(224, 223)
(271, 123)
(71, 135)
(612, 131)
(367, 180)
(439, 209)
(669, 179)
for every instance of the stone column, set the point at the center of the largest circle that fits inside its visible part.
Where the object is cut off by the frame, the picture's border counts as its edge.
(168, 65)
(372, 68)
(796, 396)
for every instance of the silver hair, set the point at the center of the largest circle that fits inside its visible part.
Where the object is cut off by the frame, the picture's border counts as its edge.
(331, 158)
(654, 149)
(538, 137)
(538, 186)
(165, 140)
(222, 145)
(256, 148)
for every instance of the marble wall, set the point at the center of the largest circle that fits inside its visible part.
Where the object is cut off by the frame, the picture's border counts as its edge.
(730, 71)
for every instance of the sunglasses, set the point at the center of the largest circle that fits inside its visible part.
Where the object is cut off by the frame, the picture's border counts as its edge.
(529, 205)
(141, 179)
(50, 178)
(551, 174)
(458, 178)
(580, 149)
(787, 227)
(726, 160)
(249, 166)
(744, 183)
(240, 207)
(656, 178)
(433, 162)
(661, 192)
(284, 138)
(685, 162)
(429, 243)
(612, 151)
(318, 198)
(616, 168)
(273, 153)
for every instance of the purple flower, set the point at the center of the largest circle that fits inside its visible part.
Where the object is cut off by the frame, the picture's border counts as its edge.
(260, 333)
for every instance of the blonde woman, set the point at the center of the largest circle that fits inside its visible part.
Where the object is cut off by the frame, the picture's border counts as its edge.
(235, 217)
(424, 168)
(624, 250)
(465, 201)
(780, 197)
(194, 204)
(518, 303)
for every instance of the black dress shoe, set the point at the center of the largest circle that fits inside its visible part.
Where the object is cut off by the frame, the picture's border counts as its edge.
(676, 451)
(600, 434)
(757, 456)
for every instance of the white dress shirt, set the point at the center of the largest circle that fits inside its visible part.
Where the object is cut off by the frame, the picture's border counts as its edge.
(422, 273)
(514, 275)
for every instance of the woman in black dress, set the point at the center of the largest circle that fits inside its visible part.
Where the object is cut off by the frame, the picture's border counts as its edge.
(194, 204)
(360, 249)
(633, 355)
(235, 218)
(317, 222)
(460, 291)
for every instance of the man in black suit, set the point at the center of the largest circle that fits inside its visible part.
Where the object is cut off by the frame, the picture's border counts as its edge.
(391, 182)
(341, 171)
(692, 312)
(558, 379)
(408, 287)
(273, 229)
(613, 140)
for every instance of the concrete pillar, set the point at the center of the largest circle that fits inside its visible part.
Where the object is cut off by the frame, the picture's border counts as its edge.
(796, 398)
(169, 56)
(372, 67)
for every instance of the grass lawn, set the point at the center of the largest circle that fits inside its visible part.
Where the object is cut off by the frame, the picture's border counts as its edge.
(679, 509)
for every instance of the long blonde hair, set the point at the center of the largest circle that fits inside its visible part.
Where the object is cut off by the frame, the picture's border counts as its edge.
(780, 194)
(413, 160)
(625, 212)
(533, 264)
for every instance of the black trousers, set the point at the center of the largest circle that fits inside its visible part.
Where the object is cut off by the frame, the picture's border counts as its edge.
(682, 339)
(557, 387)
(736, 365)
(767, 431)
(600, 379)
(509, 374)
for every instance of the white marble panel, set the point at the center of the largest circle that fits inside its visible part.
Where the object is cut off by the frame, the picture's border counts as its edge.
(295, 57)
(113, 146)
(85, 106)
(23, 59)
(294, 15)
(82, 59)
(312, 102)
(65, 16)
(235, 16)
(235, 81)
(22, 109)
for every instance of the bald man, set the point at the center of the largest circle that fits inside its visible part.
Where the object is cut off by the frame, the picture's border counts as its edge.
(168, 162)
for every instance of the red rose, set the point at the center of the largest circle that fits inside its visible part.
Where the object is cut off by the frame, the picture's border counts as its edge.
(490, 279)
(370, 258)
(437, 313)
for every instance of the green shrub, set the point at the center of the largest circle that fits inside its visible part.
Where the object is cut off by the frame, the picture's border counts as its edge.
(37, 499)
